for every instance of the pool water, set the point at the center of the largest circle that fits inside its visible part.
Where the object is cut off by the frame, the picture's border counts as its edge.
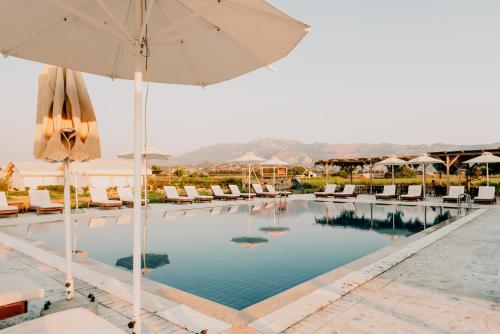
(240, 255)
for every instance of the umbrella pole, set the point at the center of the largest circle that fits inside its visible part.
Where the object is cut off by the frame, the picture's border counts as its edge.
(487, 175)
(392, 167)
(137, 235)
(423, 180)
(67, 231)
(249, 178)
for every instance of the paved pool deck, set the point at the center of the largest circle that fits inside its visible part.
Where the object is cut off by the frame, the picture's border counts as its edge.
(449, 287)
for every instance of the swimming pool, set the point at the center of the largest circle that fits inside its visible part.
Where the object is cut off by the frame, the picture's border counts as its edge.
(240, 255)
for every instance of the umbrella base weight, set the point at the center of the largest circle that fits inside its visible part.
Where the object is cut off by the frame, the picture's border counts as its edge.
(62, 305)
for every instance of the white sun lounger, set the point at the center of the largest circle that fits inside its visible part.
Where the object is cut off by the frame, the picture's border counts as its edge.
(219, 194)
(40, 201)
(388, 193)
(453, 194)
(192, 192)
(73, 321)
(414, 193)
(127, 196)
(270, 188)
(486, 195)
(261, 193)
(329, 190)
(5, 208)
(172, 195)
(15, 291)
(99, 197)
(348, 191)
(236, 191)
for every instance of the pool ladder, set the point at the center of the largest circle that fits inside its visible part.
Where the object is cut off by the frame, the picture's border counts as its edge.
(467, 199)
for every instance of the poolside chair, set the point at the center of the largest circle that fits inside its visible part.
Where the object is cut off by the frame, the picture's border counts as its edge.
(219, 194)
(41, 203)
(236, 191)
(99, 197)
(270, 188)
(414, 193)
(171, 195)
(5, 208)
(261, 193)
(328, 192)
(486, 195)
(348, 191)
(72, 321)
(127, 196)
(388, 193)
(15, 291)
(453, 194)
(192, 192)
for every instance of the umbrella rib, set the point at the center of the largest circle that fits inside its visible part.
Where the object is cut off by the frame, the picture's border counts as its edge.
(120, 46)
(146, 20)
(115, 20)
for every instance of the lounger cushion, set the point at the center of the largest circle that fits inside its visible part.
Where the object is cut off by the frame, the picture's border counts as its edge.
(8, 208)
(16, 288)
(74, 321)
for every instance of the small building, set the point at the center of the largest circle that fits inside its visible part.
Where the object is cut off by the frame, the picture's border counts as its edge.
(33, 174)
(106, 173)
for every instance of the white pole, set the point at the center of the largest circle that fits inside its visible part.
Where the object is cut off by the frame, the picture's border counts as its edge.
(487, 175)
(76, 184)
(392, 167)
(67, 231)
(423, 180)
(137, 229)
(249, 178)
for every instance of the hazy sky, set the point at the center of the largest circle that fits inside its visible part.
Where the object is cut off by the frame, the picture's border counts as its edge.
(398, 71)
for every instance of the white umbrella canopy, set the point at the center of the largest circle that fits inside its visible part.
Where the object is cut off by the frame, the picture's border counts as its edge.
(485, 158)
(392, 161)
(248, 158)
(424, 160)
(192, 42)
(66, 131)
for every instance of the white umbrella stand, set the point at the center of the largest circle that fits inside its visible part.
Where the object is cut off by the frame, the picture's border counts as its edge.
(392, 161)
(424, 160)
(485, 158)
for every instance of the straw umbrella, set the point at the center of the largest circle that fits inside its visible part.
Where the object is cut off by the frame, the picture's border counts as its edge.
(274, 162)
(485, 158)
(194, 42)
(424, 160)
(248, 158)
(392, 161)
(66, 130)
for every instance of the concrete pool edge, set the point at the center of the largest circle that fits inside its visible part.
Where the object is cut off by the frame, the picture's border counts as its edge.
(299, 309)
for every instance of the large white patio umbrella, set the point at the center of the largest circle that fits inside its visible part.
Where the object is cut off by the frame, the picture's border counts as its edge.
(191, 42)
(274, 162)
(485, 158)
(424, 160)
(66, 131)
(248, 158)
(392, 161)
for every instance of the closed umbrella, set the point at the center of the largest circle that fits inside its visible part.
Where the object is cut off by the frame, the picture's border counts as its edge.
(66, 130)
(424, 160)
(274, 162)
(485, 158)
(392, 161)
(191, 42)
(248, 158)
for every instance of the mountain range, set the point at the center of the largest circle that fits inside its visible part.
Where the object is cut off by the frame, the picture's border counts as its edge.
(298, 153)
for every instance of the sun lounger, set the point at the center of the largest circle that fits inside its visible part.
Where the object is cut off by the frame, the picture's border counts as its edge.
(5, 208)
(349, 191)
(171, 195)
(236, 191)
(388, 193)
(99, 197)
(328, 192)
(127, 196)
(72, 321)
(41, 203)
(414, 193)
(15, 291)
(270, 188)
(219, 194)
(486, 195)
(261, 193)
(453, 194)
(192, 192)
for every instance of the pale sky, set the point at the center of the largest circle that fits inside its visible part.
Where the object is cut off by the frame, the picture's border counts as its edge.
(400, 71)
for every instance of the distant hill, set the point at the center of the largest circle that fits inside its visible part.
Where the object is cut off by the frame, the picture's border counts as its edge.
(297, 153)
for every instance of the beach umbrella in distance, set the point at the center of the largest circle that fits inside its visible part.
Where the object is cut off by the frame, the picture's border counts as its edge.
(485, 158)
(392, 161)
(66, 130)
(195, 42)
(248, 158)
(274, 162)
(424, 160)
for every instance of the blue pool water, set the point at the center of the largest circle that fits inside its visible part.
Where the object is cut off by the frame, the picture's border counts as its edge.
(238, 259)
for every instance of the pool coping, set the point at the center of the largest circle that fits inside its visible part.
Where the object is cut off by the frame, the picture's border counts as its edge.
(271, 315)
